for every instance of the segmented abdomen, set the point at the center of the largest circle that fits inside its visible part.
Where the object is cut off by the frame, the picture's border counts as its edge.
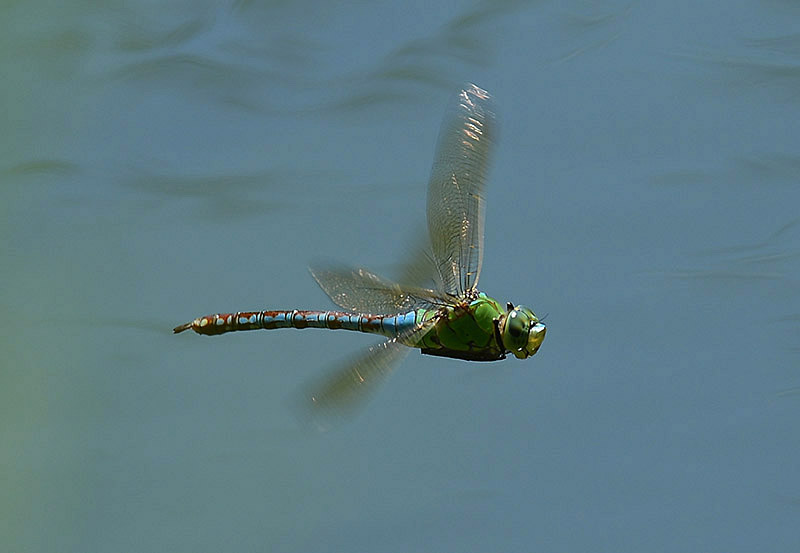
(386, 325)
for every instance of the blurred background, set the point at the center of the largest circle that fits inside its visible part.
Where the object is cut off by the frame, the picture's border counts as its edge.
(161, 161)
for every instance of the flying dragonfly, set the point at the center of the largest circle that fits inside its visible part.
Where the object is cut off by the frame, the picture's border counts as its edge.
(452, 319)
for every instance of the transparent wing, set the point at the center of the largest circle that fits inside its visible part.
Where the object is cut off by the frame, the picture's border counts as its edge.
(456, 201)
(361, 291)
(420, 268)
(347, 388)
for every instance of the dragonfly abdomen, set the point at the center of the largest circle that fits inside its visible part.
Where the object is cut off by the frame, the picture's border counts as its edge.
(386, 325)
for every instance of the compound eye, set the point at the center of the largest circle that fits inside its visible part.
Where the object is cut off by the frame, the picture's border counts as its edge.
(516, 327)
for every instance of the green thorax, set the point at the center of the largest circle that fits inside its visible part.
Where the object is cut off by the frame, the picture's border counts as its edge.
(466, 333)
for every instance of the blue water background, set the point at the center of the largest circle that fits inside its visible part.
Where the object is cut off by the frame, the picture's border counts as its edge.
(160, 161)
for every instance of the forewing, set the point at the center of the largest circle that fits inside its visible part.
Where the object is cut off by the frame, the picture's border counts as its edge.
(456, 193)
(361, 291)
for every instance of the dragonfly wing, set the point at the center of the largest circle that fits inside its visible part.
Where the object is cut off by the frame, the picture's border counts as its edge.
(346, 390)
(420, 267)
(362, 291)
(456, 200)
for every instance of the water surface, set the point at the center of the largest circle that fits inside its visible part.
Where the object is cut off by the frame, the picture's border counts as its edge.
(162, 163)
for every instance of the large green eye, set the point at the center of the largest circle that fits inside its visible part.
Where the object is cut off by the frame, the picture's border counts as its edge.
(516, 326)
(516, 330)
(522, 332)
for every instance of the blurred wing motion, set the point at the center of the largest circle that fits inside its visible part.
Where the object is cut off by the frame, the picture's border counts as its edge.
(456, 193)
(347, 388)
(456, 212)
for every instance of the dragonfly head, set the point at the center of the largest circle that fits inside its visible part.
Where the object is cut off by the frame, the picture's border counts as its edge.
(522, 332)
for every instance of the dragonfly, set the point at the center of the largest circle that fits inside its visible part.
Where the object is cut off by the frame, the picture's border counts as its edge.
(452, 318)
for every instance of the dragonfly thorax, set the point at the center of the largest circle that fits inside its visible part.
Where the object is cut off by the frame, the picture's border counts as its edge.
(521, 331)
